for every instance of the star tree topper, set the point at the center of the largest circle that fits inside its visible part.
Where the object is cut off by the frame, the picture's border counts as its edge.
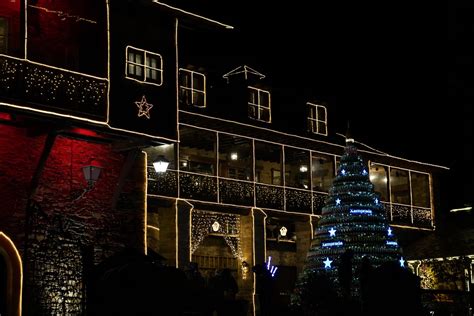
(144, 108)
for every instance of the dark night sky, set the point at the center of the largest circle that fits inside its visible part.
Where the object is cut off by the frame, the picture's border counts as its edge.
(401, 75)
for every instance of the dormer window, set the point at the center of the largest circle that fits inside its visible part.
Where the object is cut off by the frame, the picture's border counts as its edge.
(192, 88)
(3, 35)
(317, 119)
(144, 66)
(259, 104)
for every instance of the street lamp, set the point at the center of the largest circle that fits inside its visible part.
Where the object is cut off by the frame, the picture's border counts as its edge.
(161, 164)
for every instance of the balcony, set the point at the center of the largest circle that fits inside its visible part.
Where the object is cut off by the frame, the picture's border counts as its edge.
(46, 88)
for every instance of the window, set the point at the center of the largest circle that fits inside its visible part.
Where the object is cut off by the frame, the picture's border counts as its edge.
(379, 178)
(322, 171)
(144, 66)
(192, 88)
(259, 105)
(3, 35)
(317, 119)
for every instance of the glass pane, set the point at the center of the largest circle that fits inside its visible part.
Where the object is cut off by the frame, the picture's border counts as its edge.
(400, 186)
(321, 113)
(322, 171)
(267, 160)
(185, 79)
(197, 151)
(264, 99)
(235, 157)
(296, 168)
(378, 177)
(253, 96)
(321, 127)
(420, 187)
(264, 114)
(198, 83)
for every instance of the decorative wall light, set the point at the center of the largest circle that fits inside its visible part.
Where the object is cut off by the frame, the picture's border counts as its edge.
(161, 164)
(245, 270)
(303, 168)
(91, 173)
(234, 156)
(283, 231)
(215, 226)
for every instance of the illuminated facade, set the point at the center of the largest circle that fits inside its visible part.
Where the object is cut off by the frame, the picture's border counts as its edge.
(79, 88)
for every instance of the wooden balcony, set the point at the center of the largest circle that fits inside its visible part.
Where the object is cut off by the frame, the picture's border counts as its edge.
(39, 87)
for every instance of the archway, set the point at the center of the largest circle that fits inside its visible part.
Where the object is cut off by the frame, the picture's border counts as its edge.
(11, 276)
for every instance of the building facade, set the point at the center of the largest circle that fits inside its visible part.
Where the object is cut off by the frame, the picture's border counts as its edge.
(89, 100)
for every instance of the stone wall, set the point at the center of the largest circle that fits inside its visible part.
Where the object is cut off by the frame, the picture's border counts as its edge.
(67, 226)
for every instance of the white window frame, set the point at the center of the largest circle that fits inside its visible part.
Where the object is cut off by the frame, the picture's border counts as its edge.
(314, 120)
(145, 66)
(192, 89)
(259, 107)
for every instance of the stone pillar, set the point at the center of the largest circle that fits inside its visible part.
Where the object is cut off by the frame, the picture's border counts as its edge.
(184, 230)
(167, 231)
(246, 243)
(259, 236)
(303, 240)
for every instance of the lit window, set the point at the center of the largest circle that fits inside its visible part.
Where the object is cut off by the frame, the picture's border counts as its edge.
(144, 66)
(317, 119)
(259, 105)
(3, 35)
(192, 88)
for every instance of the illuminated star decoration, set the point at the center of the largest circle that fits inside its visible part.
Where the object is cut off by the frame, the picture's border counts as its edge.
(402, 262)
(338, 201)
(376, 201)
(327, 263)
(364, 172)
(144, 107)
(389, 230)
(332, 232)
(343, 172)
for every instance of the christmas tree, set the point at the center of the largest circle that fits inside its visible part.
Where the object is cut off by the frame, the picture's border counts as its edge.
(353, 234)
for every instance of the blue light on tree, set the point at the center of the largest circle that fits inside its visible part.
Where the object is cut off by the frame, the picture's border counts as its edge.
(402, 262)
(389, 231)
(332, 232)
(338, 201)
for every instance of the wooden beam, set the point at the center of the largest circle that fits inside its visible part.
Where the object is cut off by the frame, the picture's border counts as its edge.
(48, 145)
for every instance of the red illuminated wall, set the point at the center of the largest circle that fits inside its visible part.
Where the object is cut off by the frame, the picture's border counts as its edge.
(10, 9)
(62, 181)
(68, 34)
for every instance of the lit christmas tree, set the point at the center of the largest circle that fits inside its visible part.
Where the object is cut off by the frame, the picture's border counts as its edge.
(352, 234)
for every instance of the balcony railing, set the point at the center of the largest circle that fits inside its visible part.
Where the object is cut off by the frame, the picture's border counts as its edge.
(48, 88)
(246, 193)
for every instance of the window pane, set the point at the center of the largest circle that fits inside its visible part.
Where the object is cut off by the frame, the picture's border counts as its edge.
(264, 114)
(321, 127)
(420, 189)
(321, 113)
(185, 79)
(322, 171)
(253, 96)
(198, 83)
(197, 151)
(235, 157)
(267, 158)
(296, 168)
(264, 99)
(378, 177)
(400, 186)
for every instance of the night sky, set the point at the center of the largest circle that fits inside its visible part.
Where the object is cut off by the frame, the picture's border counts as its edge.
(401, 75)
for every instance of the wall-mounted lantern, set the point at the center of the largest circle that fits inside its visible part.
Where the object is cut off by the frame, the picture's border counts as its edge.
(91, 173)
(161, 164)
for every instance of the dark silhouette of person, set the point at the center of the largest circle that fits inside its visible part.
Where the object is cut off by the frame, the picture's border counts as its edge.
(365, 275)
(345, 273)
